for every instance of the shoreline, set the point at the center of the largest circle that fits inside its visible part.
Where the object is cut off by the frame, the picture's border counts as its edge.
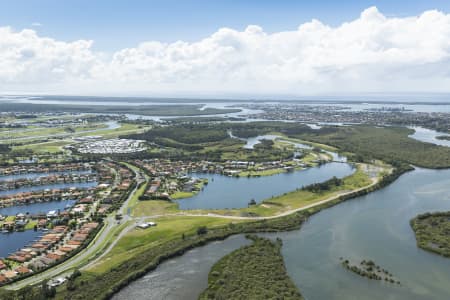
(288, 222)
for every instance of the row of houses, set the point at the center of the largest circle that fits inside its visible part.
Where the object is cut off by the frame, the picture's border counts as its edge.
(46, 180)
(25, 198)
(166, 168)
(63, 231)
(52, 247)
(44, 168)
(111, 146)
(103, 176)
(125, 180)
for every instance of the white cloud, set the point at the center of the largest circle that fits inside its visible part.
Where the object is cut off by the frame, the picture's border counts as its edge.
(370, 53)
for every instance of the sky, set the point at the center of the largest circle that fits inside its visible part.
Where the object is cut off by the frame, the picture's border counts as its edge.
(220, 48)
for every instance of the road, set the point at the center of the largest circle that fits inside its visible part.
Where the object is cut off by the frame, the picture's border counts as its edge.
(94, 247)
(211, 215)
(98, 243)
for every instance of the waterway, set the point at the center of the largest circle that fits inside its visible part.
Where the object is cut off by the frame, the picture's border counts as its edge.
(236, 192)
(37, 175)
(11, 242)
(252, 141)
(429, 136)
(34, 208)
(375, 226)
(183, 277)
(82, 185)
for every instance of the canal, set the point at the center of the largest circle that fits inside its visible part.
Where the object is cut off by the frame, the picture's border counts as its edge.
(236, 192)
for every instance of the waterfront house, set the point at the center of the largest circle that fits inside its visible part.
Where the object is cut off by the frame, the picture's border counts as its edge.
(22, 270)
(2, 265)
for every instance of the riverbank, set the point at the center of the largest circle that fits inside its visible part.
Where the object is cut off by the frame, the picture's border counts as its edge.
(102, 285)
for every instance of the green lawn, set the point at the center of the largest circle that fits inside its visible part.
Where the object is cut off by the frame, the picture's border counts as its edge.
(138, 240)
(46, 147)
(181, 195)
(154, 207)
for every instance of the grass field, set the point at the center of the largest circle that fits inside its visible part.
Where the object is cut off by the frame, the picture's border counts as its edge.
(154, 207)
(45, 147)
(43, 131)
(139, 240)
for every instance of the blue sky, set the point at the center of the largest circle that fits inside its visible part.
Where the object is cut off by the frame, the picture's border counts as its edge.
(115, 24)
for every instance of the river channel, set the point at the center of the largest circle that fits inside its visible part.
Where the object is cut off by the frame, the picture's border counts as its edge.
(375, 226)
(429, 136)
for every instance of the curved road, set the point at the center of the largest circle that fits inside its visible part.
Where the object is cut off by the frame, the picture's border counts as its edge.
(97, 244)
(94, 247)
(181, 214)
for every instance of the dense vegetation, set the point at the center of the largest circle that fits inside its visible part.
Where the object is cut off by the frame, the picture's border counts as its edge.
(390, 144)
(198, 141)
(198, 133)
(443, 137)
(433, 232)
(370, 270)
(324, 186)
(185, 134)
(256, 271)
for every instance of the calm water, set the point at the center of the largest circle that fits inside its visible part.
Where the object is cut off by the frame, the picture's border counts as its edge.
(11, 242)
(231, 192)
(34, 208)
(184, 277)
(429, 136)
(252, 141)
(375, 226)
(49, 186)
